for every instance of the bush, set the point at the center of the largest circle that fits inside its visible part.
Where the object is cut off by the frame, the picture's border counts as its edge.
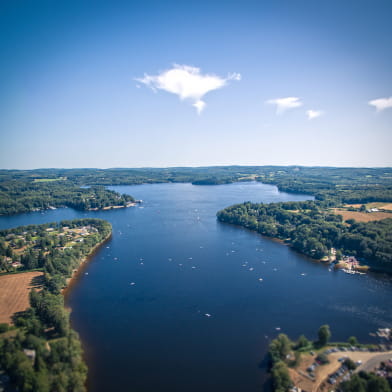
(350, 364)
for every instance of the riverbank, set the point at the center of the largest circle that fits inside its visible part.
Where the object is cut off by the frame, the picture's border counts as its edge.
(44, 334)
(83, 264)
(309, 228)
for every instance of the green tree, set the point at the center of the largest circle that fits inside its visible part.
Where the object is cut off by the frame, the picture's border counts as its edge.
(324, 334)
(280, 347)
(281, 378)
(302, 342)
(353, 340)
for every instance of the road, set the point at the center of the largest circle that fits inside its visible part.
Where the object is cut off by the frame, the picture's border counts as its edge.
(370, 364)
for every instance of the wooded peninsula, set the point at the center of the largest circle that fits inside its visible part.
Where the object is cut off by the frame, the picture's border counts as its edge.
(41, 352)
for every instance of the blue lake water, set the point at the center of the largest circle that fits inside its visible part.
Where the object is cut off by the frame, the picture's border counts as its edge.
(141, 304)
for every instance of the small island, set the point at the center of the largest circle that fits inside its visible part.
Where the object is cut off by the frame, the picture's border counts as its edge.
(39, 351)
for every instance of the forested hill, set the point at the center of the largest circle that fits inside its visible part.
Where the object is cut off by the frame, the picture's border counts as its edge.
(312, 230)
(334, 185)
(26, 190)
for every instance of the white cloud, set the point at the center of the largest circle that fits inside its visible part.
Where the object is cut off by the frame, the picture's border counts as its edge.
(381, 103)
(314, 114)
(283, 104)
(187, 82)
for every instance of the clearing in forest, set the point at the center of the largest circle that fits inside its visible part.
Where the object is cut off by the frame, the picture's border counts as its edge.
(361, 216)
(14, 293)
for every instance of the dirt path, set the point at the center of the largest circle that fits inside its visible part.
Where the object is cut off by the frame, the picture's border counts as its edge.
(375, 361)
(334, 365)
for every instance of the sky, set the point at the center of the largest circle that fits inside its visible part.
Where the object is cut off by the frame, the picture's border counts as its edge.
(195, 83)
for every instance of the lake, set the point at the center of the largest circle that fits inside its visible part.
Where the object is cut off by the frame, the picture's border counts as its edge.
(173, 302)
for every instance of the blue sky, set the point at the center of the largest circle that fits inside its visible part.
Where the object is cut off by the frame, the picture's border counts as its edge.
(166, 83)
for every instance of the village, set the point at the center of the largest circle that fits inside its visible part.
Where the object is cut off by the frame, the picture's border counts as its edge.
(16, 249)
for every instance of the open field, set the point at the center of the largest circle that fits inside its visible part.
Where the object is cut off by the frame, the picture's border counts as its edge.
(49, 179)
(361, 216)
(379, 205)
(14, 293)
(319, 384)
(387, 207)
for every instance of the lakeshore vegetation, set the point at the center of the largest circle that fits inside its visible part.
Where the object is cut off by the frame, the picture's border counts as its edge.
(312, 229)
(40, 351)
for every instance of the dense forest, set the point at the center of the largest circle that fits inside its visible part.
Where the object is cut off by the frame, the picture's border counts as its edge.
(334, 185)
(26, 190)
(313, 230)
(84, 189)
(19, 196)
(44, 329)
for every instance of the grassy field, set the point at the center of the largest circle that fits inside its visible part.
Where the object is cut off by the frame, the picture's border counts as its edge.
(361, 216)
(379, 205)
(49, 179)
(14, 293)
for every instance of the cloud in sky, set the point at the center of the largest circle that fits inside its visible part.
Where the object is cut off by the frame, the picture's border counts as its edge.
(187, 82)
(283, 104)
(381, 103)
(314, 114)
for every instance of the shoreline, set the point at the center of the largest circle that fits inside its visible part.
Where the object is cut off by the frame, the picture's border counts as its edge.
(66, 291)
(82, 265)
(327, 263)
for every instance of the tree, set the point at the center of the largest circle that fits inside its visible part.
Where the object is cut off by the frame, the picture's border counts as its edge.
(280, 347)
(324, 335)
(356, 384)
(350, 364)
(302, 342)
(365, 382)
(353, 340)
(281, 378)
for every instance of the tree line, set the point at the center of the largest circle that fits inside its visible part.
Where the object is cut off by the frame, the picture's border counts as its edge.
(20, 196)
(26, 190)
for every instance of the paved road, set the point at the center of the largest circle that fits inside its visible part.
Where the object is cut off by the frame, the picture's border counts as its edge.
(373, 362)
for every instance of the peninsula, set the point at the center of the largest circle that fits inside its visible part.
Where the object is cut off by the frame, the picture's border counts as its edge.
(38, 348)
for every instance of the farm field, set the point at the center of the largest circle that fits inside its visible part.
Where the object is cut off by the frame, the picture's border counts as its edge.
(361, 216)
(14, 293)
